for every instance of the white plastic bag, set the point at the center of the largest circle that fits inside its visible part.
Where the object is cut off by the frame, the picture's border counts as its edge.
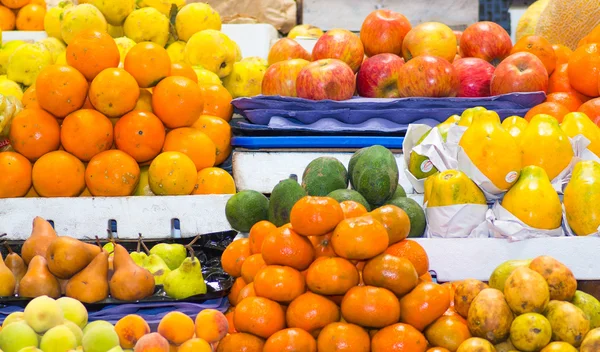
(503, 224)
(456, 221)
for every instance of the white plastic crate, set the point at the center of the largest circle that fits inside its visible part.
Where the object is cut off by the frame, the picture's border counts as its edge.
(253, 39)
(26, 36)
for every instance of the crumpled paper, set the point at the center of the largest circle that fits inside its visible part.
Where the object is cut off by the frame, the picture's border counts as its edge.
(503, 224)
(456, 221)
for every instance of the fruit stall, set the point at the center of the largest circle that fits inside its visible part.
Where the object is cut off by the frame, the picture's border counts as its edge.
(259, 175)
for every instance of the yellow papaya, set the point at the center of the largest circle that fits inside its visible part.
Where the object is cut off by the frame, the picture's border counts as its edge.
(544, 144)
(427, 185)
(453, 187)
(582, 198)
(533, 200)
(515, 125)
(575, 123)
(466, 118)
(493, 150)
(419, 165)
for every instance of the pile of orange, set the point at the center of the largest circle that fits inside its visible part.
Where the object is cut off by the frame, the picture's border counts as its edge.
(23, 15)
(93, 128)
(337, 278)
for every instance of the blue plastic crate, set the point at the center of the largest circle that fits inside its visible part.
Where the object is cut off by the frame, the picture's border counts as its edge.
(497, 11)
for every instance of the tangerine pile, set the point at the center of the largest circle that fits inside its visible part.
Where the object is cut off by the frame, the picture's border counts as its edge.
(337, 278)
(24, 15)
(92, 128)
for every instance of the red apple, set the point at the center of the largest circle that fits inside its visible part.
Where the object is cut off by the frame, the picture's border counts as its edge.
(430, 38)
(428, 76)
(378, 76)
(287, 49)
(475, 76)
(520, 72)
(383, 32)
(326, 79)
(486, 40)
(280, 78)
(458, 34)
(340, 44)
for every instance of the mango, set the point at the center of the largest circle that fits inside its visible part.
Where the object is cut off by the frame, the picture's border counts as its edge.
(575, 123)
(560, 279)
(515, 125)
(492, 149)
(530, 332)
(503, 271)
(569, 323)
(559, 346)
(476, 344)
(526, 291)
(544, 144)
(453, 187)
(533, 200)
(590, 306)
(581, 198)
(490, 316)
(591, 342)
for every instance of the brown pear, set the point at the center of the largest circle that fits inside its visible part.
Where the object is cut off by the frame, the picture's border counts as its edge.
(90, 285)
(7, 280)
(39, 281)
(67, 256)
(16, 264)
(37, 244)
(129, 282)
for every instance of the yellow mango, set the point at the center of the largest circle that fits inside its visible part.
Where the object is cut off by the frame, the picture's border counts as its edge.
(515, 125)
(533, 200)
(492, 149)
(575, 123)
(466, 118)
(544, 144)
(453, 187)
(582, 198)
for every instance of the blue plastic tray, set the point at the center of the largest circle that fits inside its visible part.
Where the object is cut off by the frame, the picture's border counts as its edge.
(316, 142)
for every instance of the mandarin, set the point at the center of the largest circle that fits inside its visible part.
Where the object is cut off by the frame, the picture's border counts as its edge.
(283, 246)
(33, 133)
(213, 180)
(184, 70)
(114, 92)
(412, 251)
(398, 338)
(258, 316)
(91, 52)
(569, 100)
(219, 131)
(316, 216)
(148, 63)
(234, 255)
(16, 175)
(58, 174)
(343, 337)
(583, 69)
(370, 306)
(331, 276)
(359, 238)
(217, 101)
(30, 17)
(291, 340)
(85, 133)
(177, 101)
(278, 283)
(172, 173)
(540, 47)
(311, 312)
(257, 235)
(140, 134)
(193, 143)
(7, 19)
(60, 90)
(112, 173)
(556, 110)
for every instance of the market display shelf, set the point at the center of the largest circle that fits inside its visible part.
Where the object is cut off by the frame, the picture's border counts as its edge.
(126, 217)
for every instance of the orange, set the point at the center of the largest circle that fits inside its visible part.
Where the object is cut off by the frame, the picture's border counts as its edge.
(177, 101)
(85, 133)
(562, 54)
(283, 246)
(584, 68)
(176, 327)
(569, 100)
(559, 82)
(213, 180)
(359, 238)
(311, 312)
(252, 265)
(396, 274)
(556, 110)
(592, 109)
(195, 345)
(398, 338)
(237, 286)
(148, 63)
(29, 98)
(211, 325)
(424, 305)
(91, 52)
(130, 329)
(593, 36)
(315, 216)
(219, 131)
(183, 70)
(60, 89)
(112, 173)
(448, 332)
(278, 283)
(370, 306)
(540, 47)
(234, 256)
(33, 133)
(322, 245)
(140, 134)
(217, 101)
(15, 4)
(240, 342)
(114, 92)
(43, 2)
(58, 174)
(331, 276)
(31, 18)
(16, 175)
(291, 340)
(7, 19)
(412, 251)
(343, 337)
(246, 291)
(172, 173)
(229, 315)
(193, 143)
(258, 316)
(257, 235)
(352, 209)
(395, 220)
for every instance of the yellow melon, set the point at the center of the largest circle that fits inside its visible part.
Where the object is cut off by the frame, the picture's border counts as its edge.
(529, 20)
(566, 22)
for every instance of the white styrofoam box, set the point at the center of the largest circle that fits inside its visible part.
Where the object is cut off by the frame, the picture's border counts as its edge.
(516, 12)
(89, 217)
(459, 259)
(262, 170)
(307, 43)
(350, 14)
(253, 39)
(26, 36)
